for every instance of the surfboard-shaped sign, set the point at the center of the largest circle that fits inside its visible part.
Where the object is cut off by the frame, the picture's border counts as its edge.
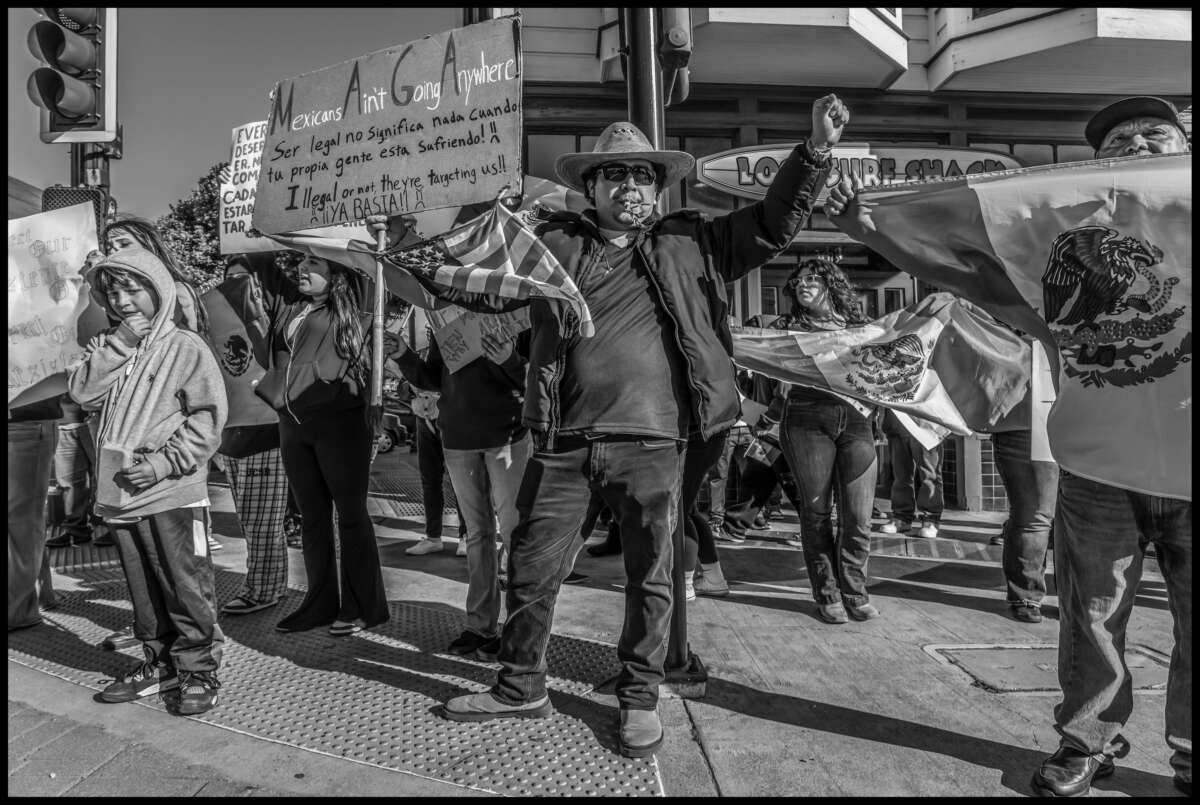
(748, 172)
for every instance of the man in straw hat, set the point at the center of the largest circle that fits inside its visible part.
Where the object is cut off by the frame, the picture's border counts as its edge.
(612, 412)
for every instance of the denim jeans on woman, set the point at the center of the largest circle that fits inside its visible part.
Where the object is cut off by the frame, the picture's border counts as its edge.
(1100, 539)
(1032, 488)
(30, 458)
(639, 479)
(829, 446)
(486, 483)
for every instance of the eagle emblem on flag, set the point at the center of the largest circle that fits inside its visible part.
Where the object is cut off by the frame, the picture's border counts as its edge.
(1111, 309)
(891, 371)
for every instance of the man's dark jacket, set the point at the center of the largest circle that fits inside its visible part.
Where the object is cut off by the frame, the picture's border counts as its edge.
(690, 258)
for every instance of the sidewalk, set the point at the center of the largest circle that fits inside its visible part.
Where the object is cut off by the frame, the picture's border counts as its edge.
(945, 695)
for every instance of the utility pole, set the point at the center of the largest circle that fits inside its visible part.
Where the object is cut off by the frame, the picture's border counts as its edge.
(685, 672)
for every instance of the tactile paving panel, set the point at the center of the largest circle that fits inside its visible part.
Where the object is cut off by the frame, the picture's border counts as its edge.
(370, 697)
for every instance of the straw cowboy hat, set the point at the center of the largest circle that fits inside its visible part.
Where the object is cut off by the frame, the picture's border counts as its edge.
(621, 141)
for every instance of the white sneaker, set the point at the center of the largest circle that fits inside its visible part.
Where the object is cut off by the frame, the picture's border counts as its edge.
(689, 588)
(926, 530)
(461, 550)
(425, 546)
(893, 527)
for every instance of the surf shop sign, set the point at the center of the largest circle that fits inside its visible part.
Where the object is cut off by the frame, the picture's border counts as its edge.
(748, 172)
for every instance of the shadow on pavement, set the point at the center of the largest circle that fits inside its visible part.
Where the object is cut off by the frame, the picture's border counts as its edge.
(1015, 764)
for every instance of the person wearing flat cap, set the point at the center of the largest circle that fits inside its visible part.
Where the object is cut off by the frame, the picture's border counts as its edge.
(1101, 534)
(612, 413)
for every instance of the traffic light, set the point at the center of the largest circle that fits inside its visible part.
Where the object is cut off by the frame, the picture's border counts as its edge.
(674, 52)
(57, 197)
(77, 88)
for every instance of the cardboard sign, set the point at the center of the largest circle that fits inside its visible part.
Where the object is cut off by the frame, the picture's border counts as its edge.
(46, 297)
(238, 184)
(424, 125)
(461, 340)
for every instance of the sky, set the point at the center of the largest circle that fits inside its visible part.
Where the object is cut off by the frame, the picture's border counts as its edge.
(187, 76)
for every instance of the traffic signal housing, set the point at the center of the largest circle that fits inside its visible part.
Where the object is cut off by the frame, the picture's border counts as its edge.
(76, 89)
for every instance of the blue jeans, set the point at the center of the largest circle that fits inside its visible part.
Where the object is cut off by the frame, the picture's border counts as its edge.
(829, 445)
(431, 460)
(74, 472)
(170, 574)
(30, 458)
(1100, 539)
(916, 479)
(486, 483)
(1032, 487)
(639, 479)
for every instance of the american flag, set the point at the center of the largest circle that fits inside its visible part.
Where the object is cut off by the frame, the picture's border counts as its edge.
(495, 253)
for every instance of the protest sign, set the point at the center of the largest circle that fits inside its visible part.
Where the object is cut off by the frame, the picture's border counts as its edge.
(46, 296)
(461, 340)
(428, 124)
(238, 183)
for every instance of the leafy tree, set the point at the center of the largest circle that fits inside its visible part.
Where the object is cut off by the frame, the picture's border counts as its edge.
(190, 231)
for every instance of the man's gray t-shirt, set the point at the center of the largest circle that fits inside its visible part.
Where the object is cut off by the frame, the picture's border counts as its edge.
(628, 378)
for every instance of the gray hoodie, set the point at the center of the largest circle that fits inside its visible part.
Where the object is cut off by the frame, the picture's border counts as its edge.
(162, 397)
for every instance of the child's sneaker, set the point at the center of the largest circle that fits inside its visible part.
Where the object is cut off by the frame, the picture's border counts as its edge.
(147, 680)
(197, 692)
(895, 526)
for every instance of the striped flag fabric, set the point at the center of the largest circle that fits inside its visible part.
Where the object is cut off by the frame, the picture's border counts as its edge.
(940, 360)
(495, 253)
(1094, 259)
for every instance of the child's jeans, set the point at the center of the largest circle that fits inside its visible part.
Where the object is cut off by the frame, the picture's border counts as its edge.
(170, 575)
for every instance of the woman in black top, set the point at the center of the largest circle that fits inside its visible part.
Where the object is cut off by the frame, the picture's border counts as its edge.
(829, 447)
(317, 382)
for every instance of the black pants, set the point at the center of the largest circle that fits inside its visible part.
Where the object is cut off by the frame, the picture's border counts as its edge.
(328, 464)
(701, 456)
(431, 461)
(170, 575)
(638, 478)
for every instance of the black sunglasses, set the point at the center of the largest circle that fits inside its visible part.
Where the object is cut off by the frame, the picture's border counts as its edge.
(614, 172)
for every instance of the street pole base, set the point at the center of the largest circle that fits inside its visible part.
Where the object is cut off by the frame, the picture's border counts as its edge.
(687, 682)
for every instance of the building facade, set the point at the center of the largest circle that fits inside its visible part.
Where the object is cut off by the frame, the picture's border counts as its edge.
(931, 91)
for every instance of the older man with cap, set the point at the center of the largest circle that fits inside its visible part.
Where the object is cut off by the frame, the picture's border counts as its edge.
(612, 413)
(1100, 537)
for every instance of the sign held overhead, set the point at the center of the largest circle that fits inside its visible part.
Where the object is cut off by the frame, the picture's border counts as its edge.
(428, 124)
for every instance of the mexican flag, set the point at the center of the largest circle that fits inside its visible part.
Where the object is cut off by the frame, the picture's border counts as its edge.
(1092, 258)
(941, 360)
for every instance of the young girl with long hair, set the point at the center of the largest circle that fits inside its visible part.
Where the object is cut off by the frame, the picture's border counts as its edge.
(317, 381)
(829, 446)
(130, 231)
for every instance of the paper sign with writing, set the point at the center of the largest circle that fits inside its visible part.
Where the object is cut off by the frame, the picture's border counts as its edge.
(424, 125)
(46, 296)
(461, 341)
(238, 183)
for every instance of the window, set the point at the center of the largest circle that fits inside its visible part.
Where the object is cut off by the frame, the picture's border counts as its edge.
(770, 301)
(893, 299)
(869, 303)
(976, 13)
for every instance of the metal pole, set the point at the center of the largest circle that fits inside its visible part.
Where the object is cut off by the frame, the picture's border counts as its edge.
(77, 172)
(645, 97)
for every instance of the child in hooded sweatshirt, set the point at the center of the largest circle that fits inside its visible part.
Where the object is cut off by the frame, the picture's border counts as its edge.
(163, 406)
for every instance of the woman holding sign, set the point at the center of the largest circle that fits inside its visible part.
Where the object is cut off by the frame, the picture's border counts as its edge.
(317, 382)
